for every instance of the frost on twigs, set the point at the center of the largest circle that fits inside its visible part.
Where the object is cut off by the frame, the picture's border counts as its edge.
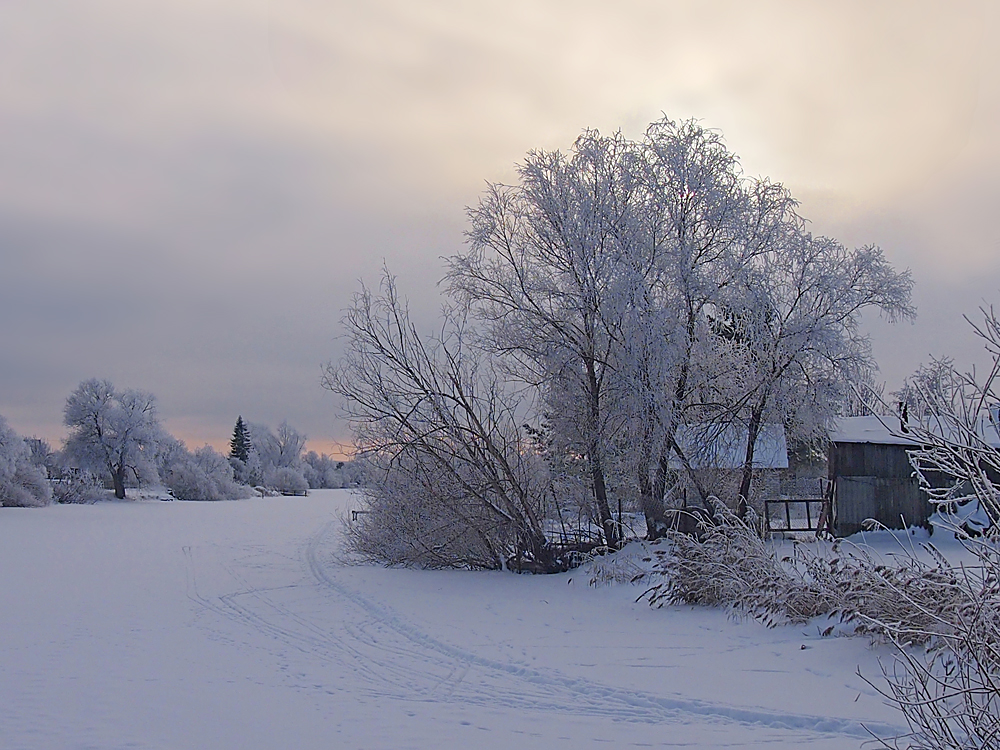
(729, 564)
(451, 482)
(949, 690)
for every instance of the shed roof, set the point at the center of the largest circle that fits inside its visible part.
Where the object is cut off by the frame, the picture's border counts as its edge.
(869, 429)
(889, 431)
(715, 447)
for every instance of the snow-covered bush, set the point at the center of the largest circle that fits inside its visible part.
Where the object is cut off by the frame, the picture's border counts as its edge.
(419, 515)
(729, 564)
(322, 472)
(287, 480)
(943, 618)
(202, 475)
(77, 486)
(22, 484)
(949, 693)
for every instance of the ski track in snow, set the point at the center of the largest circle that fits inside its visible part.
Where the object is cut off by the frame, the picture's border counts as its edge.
(399, 660)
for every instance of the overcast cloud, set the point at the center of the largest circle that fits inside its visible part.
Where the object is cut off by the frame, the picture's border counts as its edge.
(190, 191)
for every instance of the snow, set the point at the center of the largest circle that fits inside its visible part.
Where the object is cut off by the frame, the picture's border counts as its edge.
(870, 429)
(169, 625)
(889, 431)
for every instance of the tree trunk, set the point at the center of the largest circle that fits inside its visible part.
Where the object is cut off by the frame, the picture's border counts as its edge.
(753, 430)
(603, 508)
(596, 464)
(118, 477)
(651, 499)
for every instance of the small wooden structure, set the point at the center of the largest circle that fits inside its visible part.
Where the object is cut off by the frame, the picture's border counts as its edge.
(871, 476)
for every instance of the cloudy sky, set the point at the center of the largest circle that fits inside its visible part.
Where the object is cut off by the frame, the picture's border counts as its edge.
(190, 190)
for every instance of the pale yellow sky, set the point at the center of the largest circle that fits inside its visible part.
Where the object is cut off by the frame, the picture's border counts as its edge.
(189, 191)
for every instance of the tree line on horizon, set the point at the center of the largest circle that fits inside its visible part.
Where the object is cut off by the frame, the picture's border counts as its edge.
(116, 441)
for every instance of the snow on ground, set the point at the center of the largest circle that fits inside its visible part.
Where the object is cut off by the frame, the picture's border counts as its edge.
(176, 626)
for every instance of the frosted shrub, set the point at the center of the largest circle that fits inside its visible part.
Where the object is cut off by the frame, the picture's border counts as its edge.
(287, 481)
(77, 486)
(202, 475)
(944, 619)
(28, 488)
(419, 516)
(731, 565)
(728, 564)
(22, 484)
(949, 693)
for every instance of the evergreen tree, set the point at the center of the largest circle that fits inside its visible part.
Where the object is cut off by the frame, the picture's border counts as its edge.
(239, 446)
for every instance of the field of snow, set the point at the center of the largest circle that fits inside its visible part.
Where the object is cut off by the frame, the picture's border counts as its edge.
(178, 626)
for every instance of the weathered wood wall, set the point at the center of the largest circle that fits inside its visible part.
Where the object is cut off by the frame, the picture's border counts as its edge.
(874, 481)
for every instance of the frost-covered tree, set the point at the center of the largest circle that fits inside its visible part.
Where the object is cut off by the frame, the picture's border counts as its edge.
(450, 479)
(114, 433)
(288, 481)
(22, 483)
(599, 274)
(322, 471)
(202, 475)
(649, 298)
(798, 344)
(705, 225)
(542, 271)
(280, 457)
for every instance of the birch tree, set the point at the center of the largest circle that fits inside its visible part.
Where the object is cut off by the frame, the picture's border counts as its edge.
(542, 271)
(704, 227)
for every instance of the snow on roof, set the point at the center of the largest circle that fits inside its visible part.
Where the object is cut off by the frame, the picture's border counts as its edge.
(725, 448)
(889, 431)
(869, 429)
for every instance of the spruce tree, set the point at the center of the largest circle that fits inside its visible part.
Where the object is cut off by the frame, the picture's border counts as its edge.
(239, 446)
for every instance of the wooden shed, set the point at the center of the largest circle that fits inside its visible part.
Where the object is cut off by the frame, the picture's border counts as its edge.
(871, 477)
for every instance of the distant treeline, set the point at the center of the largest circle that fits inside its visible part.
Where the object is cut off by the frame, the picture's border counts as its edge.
(117, 442)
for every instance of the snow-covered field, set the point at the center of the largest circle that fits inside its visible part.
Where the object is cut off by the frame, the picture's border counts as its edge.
(168, 625)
